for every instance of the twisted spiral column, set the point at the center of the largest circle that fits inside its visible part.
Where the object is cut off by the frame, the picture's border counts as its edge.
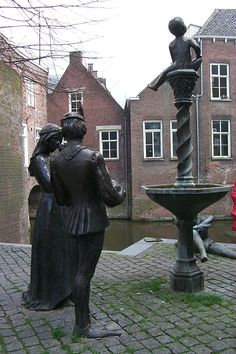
(183, 82)
(184, 148)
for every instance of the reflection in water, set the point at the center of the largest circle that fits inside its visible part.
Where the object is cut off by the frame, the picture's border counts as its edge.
(123, 233)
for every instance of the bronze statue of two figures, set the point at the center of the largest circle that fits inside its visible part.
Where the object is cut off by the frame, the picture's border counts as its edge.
(71, 220)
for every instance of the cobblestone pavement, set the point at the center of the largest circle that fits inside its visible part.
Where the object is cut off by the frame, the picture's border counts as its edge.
(131, 294)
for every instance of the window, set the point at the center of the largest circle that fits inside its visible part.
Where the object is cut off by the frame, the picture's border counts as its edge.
(109, 144)
(152, 133)
(37, 136)
(75, 99)
(173, 138)
(25, 144)
(221, 138)
(220, 81)
(30, 93)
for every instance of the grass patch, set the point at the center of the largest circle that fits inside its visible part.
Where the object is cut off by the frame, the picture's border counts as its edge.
(45, 322)
(3, 346)
(151, 286)
(57, 333)
(202, 299)
(129, 350)
(28, 321)
(161, 289)
(76, 339)
(16, 288)
(66, 348)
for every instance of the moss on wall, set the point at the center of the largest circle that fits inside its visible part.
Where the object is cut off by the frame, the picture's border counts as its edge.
(12, 190)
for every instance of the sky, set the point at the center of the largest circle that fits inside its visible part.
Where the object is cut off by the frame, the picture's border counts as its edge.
(137, 40)
(128, 44)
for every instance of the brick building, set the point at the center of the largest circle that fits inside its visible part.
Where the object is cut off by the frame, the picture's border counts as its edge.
(152, 117)
(103, 115)
(23, 113)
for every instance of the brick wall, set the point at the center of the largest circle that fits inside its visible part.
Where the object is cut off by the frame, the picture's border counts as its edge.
(16, 185)
(218, 170)
(35, 117)
(150, 106)
(160, 106)
(100, 109)
(13, 223)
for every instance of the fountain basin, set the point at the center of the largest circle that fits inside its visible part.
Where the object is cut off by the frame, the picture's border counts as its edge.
(186, 203)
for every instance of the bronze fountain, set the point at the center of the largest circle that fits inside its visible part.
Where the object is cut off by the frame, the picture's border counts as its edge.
(184, 198)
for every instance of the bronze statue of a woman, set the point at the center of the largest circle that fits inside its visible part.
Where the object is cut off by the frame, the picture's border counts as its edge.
(52, 260)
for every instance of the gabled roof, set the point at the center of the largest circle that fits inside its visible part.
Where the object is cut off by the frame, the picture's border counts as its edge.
(222, 23)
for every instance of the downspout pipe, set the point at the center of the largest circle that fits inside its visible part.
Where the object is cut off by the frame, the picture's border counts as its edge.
(197, 103)
(126, 164)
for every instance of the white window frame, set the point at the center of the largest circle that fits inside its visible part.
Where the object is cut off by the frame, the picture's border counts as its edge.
(219, 77)
(153, 131)
(30, 93)
(109, 131)
(77, 101)
(37, 136)
(25, 144)
(220, 133)
(173, 131)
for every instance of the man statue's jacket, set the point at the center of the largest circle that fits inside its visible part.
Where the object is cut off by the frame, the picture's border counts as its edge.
(81, 181)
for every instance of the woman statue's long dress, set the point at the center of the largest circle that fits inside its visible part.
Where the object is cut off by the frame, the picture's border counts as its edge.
(53, 261)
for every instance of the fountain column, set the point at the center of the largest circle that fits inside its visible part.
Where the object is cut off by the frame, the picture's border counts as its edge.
(183, 82)
(186, 275)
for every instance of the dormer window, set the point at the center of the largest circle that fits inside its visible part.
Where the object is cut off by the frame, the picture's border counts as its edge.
(75, 99)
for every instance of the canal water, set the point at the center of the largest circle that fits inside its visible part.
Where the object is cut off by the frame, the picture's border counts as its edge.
(123, 233)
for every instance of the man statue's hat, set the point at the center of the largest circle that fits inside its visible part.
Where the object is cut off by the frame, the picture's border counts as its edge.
(78, 115)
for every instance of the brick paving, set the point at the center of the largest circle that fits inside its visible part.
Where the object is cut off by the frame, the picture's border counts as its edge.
(130, 294)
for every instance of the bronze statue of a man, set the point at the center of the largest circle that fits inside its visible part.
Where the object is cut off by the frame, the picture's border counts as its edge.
(180, 51)
(81, 182)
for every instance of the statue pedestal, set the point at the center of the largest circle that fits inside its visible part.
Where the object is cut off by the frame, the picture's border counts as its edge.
(186, 276)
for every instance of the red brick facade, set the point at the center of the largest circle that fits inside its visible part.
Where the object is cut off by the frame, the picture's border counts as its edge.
(15, 185)
(101, 112)
(150, 105)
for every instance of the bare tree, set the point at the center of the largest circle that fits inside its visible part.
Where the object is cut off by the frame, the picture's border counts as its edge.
(43, 31)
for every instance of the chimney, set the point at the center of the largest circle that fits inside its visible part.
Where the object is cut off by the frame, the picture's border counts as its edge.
(102, 81)
(95, 74)
(75, 57)
(90, 67)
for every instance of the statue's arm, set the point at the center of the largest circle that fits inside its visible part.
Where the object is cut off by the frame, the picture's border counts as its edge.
(112, 193)
(196, 47)
(171, 52)
(42, 174)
